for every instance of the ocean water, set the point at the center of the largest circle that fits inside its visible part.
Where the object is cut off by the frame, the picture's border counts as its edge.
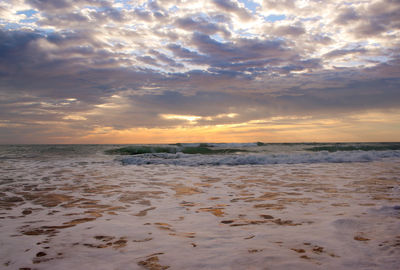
(200, 206)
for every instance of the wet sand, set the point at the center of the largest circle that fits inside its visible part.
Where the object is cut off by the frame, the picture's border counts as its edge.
(72, 214)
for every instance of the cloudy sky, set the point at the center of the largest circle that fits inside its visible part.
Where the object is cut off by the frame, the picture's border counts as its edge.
(157, 71)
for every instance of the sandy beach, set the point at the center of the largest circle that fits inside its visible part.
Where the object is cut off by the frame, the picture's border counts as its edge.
(68, 212)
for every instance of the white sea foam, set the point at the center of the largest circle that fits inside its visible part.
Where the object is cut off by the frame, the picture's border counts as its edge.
(181, 159)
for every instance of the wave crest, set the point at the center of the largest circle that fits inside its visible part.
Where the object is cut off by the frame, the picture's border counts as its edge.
(181, 159)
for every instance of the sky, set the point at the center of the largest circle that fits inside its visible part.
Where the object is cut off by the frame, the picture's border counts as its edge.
(167, 71)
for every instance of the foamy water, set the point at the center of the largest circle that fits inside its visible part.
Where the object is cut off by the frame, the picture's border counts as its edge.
(273, 207)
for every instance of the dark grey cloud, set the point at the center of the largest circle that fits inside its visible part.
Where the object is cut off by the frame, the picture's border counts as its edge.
(300, 65)
(378, 18)
(233, 7)
(322, 39)
(158, 11)
(185, 53)
(386, 70)
(154, 6)
(290, 30)
(199, 24)
(12, 42)
(241, 55)
(66, 5)
(77, 14)
(50, 4)
(108, 14)
(148, 60)
(67, 72)
(347, 15)
(144, 15)
(280, 4)
(65, 20)
(352, 97)
(240, 50)
(343, 52)
(165, 59)
(369, 28)
(339, 101)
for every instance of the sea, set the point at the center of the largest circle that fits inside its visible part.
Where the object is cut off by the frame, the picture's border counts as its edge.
(200, 206)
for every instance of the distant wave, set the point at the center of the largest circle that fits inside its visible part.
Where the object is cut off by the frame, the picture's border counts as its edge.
(181, 159)
(203, 149)
(231, 148)
(356, 147)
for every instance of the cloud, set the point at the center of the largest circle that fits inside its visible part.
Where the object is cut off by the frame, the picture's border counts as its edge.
(50, 5)
(144, 15)
(165, 59)
(279, 5)
(289, 30)
(343, 52)
(201, 25)
(347, 15)
(233, 6)
(241, 54)
(92, 65)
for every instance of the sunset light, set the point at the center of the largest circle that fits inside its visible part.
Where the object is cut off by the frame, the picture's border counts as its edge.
(200, 134)
(69, 67)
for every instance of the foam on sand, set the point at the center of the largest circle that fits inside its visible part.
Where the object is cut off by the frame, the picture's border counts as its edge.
(88, 211)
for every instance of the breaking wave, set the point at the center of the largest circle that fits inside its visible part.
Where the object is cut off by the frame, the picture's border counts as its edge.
(182, 159)
(203, 149)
